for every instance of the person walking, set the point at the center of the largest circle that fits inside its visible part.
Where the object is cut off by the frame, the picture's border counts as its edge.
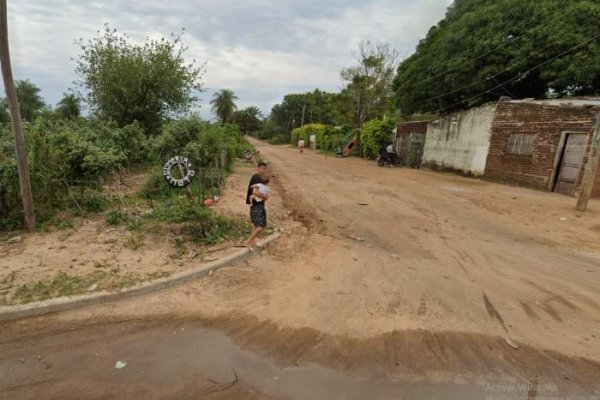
(258, 211)
(301, 145)
(261, 169)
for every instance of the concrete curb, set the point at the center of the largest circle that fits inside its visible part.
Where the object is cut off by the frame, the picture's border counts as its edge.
(71, 302)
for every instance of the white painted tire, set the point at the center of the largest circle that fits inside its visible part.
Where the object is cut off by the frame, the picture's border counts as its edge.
(187, 166)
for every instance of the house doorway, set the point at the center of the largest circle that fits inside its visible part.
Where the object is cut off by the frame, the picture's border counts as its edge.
(571, 163)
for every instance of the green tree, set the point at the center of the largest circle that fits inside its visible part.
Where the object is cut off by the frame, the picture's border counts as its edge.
(368, 93)
(69, 106)
(223, 105)
(297, 109)
(127, 82)
(249, 119)
(30, 101)
(486, 49)
(4, 115)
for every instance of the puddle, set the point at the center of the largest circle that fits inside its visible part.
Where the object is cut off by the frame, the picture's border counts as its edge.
(209, 352)
(186, 360)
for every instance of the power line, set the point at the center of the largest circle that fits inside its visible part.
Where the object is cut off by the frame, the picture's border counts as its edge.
(492, 50)
(507, 69)
(523, 74)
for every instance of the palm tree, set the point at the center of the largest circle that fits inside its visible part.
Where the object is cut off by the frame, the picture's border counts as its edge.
(249, 119)
(223, 105)
(69, 106)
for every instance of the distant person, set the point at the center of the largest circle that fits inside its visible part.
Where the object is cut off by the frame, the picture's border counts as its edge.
(258, 212)
(301, 145)
(391, 153)
(261, 169)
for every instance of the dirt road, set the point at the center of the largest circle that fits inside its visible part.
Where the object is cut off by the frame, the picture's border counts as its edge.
(384, 275)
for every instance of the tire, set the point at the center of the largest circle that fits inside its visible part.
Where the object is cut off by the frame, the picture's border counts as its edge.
(380, 162)
(186, 164)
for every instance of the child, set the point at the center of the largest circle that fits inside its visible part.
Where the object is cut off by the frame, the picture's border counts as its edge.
(263, 191)
(258, 212)
(301, 145)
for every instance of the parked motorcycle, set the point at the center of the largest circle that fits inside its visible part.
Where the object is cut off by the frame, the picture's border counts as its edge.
(386, 159)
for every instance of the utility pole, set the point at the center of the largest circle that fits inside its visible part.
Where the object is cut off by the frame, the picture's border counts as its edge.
(303, 110)
(591, 169)
(15, 116)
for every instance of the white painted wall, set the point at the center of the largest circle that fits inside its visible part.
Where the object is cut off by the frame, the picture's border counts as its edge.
(460, 141)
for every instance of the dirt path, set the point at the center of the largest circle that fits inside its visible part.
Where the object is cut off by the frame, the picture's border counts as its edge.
(448, 277)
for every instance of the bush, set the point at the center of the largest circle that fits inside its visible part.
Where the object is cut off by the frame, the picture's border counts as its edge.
(68, 160)
(115, 217)
(373, 135)
(327, 137)
(205, 144)
(155, 186)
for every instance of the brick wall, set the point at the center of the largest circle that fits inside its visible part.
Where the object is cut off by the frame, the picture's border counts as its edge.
(403, 135)
(545, 121)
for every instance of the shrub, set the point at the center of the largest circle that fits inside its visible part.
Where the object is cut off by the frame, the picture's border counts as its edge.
(155, 185)
(327, 137)
(67, 163)
(205, 144)
(115, 217)
(373, 135)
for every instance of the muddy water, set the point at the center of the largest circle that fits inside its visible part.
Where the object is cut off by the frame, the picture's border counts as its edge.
(189, 361)
(212, 354)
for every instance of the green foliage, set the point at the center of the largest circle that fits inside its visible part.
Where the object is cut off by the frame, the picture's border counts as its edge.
(223, 105)
(127, 82)
(327, 138)
(69, 106)
(317, 106)
(373, 135)
(68, 160)
(249, 120)
(115, 217)
(203, 224)
(155, 186)
(305, 131)
(368, 91)
(486, 49)
(30, 101)
(205, 144)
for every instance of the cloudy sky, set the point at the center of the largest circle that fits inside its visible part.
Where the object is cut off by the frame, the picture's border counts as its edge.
(261, 49)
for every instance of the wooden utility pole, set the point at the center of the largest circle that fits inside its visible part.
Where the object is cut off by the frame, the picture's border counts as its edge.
(15, 116)
(591, 170)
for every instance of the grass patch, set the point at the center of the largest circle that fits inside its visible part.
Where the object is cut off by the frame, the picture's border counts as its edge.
(64, 284)
(61, 285)
(115, 217)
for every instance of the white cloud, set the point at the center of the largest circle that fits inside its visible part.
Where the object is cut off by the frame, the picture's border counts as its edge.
(262, 49)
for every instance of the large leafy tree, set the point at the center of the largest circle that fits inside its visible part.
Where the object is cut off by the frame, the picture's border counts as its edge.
(297, 109)
(249, 119)
(128, 82)
(223, 105)
(69, 106)
(368, 92)
(30, 101)
(486, 49)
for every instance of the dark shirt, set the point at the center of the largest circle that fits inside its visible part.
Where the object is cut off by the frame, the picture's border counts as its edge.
(253, 181)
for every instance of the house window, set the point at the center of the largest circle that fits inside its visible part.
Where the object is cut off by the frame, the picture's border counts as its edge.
(520, 144)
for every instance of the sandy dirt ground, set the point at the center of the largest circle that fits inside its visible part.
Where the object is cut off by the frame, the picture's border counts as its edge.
(109, 258)
(391, 274)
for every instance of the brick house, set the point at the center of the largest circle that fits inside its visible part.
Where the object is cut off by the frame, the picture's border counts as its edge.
(542, 144)
(537, 143)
